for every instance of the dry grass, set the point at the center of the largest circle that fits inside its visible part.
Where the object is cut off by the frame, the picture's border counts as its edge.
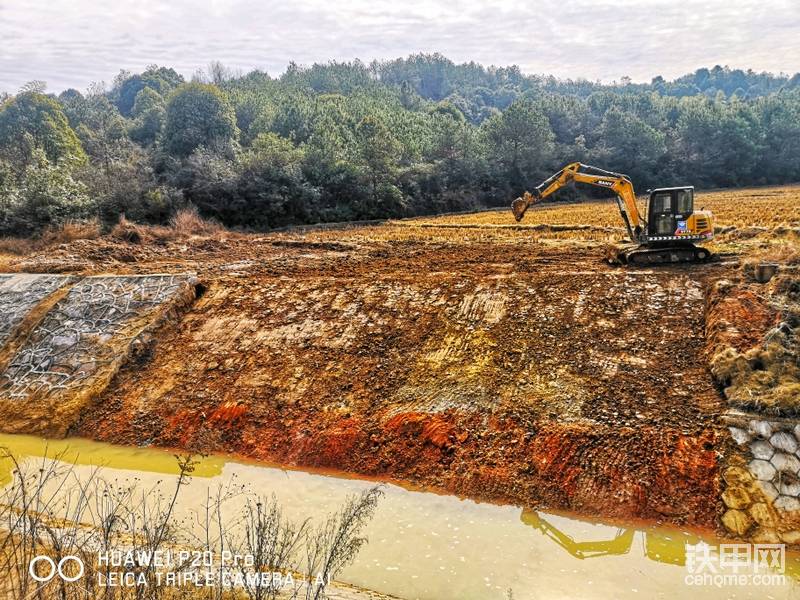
(756, 207)
(62, 234)
(16, 246)
(71, 231)
(50, 509)
(746, 220)
(185, 223)
(743, 217)
(188, 222)
(785, 254)
(764, 379)
(128, 231)
(764, 376)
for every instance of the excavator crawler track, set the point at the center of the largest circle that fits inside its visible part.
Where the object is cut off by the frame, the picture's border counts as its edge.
(645, 255)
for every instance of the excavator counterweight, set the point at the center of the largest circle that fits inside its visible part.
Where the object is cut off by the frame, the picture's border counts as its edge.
(667, 234)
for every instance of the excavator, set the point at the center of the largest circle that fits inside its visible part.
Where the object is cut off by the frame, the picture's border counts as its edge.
(659, 546)
(667, 234)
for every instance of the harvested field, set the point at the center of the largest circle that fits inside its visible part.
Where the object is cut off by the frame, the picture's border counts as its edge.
(766, 207)
(460, 353)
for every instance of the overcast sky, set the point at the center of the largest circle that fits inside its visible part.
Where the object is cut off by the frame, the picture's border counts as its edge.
(71, 43)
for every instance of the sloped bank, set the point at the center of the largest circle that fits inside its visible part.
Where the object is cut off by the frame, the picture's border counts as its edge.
(543, 378)
(570, 385)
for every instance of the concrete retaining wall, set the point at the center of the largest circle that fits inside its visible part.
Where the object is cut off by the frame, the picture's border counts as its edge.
(20, 294)
(63, 338)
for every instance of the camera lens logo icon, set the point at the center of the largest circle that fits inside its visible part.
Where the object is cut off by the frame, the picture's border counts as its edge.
(51, 568)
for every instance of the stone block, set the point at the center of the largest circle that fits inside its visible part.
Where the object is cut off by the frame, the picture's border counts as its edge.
(765, 535)
(737, 521)
(739, 435)
(789, 486)
(769, 490)
(785, 463)
(760, 428)
(736, 497)
(762, 514)
(762, 469)
(762, 449)
(736, 475)
(784, 441)
(790, 537)
(787, 503)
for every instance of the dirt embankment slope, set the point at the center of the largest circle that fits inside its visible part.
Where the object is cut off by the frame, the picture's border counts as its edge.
(495, 362)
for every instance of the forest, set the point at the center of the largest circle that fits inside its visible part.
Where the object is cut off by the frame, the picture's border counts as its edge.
(353, 141)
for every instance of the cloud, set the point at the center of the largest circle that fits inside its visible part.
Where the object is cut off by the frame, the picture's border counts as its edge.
(70, 43)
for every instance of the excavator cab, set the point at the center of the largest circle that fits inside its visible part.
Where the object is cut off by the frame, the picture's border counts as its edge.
(671, 216)
(668, 210)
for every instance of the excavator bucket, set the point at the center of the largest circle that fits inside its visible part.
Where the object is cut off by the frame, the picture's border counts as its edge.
(518, 207)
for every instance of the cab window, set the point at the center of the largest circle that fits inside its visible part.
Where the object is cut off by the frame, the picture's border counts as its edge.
(684, 204)
(662, 202)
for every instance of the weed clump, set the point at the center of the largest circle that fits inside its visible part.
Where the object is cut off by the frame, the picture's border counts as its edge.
(185, 223)
(128, 231)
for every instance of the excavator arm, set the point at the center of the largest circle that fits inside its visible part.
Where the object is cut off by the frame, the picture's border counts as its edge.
(616, 182)
(620, 544)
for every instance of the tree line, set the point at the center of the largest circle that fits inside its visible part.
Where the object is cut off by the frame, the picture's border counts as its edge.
(347, 141)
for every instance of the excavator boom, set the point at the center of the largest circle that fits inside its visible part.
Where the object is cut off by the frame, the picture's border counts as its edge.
(580, 173)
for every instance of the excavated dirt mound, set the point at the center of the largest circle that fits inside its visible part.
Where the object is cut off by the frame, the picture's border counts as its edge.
(753, 340)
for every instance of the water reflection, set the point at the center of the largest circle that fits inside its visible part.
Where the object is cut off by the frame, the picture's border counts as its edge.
(620, 544)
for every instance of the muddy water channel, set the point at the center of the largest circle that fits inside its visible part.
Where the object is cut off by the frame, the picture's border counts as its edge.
(436, 547)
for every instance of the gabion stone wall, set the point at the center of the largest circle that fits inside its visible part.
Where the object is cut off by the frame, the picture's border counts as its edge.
(65, 338)
(761, 494)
